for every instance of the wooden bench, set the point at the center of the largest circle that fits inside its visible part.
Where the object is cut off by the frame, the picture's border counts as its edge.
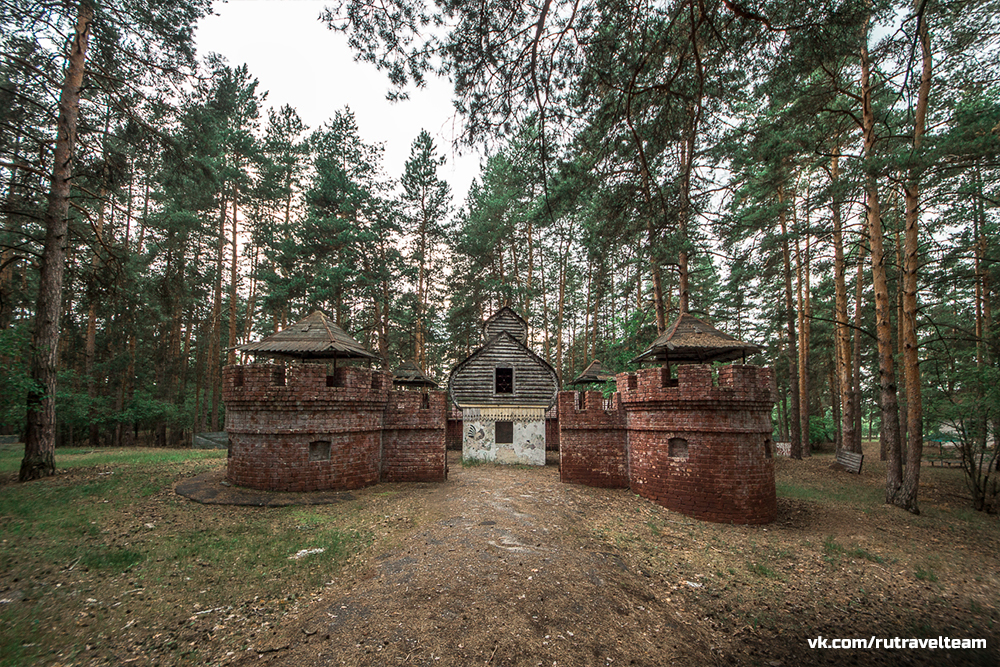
(850, 461)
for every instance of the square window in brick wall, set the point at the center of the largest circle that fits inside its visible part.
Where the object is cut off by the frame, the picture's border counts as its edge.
(319, 450)
(678, 448)
(505, 433)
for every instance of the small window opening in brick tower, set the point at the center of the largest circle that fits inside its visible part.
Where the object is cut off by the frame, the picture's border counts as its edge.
(425, 401)
(278, 376)
(767, 447)
(505, 433)
(331, 380)
(238, 378)
(505, 381)
(319, 450)
(678, 448)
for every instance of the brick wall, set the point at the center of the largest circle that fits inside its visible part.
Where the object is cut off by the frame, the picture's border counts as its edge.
(551, 433)
(453, 432)
(703, 447)
(591, 441)
(695, 444)
(413, 437)
(298, 428)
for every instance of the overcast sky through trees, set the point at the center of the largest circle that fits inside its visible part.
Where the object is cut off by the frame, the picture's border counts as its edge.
(301, 63)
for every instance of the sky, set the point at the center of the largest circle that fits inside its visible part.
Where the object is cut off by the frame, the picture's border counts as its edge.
(299, 62)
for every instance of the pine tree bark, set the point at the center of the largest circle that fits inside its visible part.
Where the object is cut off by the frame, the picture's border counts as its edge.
(888, 404)
(906, 495)
(802, 283)
(684, 212)
(856, 446)
(842, 343)
(90, 343)
(215, 347)
(794, 426)
(39, 445)
(233, 279)
(560, 314)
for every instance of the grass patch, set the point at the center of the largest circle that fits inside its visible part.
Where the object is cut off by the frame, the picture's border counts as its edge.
(114, 560)
(925, 575)
(468, 462)
(762, 570)
(82, 457)
(109, 535)
(832, 493)
(833, 549)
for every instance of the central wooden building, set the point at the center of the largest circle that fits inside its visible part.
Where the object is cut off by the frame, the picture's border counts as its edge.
(503, 390)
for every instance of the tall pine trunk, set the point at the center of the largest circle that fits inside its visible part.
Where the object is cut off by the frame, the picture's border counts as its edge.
(215, 347)
(842, 342)
(802, 282)
(794, 427)
(39, 442)
(233, 279)
(906, 495)
(888, 404)
(859, 293)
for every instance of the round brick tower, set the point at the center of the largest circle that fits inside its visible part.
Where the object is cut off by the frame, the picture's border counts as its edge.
(298, 428)
(702, 448)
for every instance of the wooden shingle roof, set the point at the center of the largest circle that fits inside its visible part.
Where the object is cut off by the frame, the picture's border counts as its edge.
(594, 373)
(409, 375)
(507, 320)
(692, 341)
(314, 337)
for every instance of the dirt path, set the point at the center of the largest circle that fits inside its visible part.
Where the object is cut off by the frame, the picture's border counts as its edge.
(498, 572)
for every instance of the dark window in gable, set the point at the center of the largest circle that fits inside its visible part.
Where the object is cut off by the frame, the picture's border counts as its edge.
(504, 381)
(505, 433)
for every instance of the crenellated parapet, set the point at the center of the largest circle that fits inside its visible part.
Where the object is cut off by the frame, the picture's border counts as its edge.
(699, 444)
(286, 387)
(305, 427)
(733, 384)
(413, 437)
(591, 440)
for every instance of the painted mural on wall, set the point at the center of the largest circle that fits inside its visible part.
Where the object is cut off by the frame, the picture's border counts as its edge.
(497, 435)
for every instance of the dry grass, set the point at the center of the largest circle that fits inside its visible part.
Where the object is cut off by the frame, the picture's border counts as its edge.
(104, 564)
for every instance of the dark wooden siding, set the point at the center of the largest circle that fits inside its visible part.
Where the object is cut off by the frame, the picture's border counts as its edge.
(505, 320)
(535, 382)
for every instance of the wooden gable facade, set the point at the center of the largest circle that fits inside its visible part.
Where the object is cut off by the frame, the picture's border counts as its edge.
(504, 390)
(503, 372)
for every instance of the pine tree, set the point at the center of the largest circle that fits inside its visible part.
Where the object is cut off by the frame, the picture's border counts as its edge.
(425, 207)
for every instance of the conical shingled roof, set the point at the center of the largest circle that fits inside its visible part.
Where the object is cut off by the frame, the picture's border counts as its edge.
(594, 373)
(692, 341)
(409, 375)
(314, 337)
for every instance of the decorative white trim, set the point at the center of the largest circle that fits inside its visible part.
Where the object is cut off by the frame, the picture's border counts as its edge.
(503, 413)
